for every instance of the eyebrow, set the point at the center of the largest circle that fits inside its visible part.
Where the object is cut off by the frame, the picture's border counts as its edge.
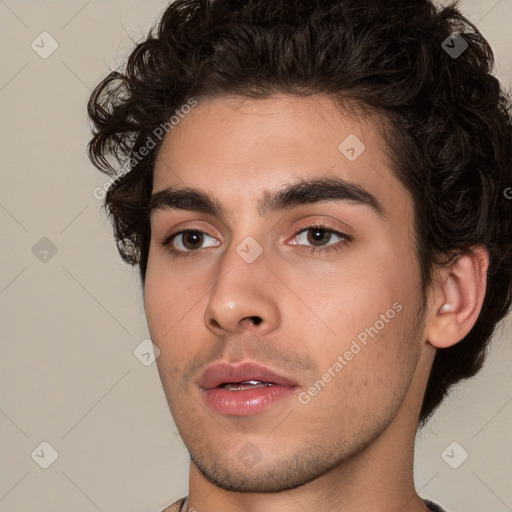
(297, 194)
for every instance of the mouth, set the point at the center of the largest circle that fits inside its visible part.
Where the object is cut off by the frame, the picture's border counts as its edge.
(248, 384)
(243, 389)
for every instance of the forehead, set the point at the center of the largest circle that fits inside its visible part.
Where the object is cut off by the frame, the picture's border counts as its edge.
(237, 150)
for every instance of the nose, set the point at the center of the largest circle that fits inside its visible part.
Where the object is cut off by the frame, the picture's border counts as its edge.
(242, 299)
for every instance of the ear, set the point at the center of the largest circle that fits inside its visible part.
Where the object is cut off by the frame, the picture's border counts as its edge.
(456, 299)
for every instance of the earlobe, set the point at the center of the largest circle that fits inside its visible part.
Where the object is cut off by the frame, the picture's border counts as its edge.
(457, 299)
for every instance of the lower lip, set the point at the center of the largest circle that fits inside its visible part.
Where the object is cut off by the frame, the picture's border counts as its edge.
(244, 402)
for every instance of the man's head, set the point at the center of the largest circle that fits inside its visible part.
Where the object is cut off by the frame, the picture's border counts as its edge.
(396, 155)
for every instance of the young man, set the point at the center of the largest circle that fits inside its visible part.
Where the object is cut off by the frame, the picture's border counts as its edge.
(315, 194)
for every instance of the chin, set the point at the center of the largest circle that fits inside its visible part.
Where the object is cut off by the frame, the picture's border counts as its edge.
(268, 475)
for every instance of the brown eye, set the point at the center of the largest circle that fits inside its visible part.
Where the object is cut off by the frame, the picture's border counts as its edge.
(189, 241)
(192, 239)
(318, 236)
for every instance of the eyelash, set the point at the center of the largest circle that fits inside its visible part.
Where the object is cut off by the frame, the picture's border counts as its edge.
(167, 243)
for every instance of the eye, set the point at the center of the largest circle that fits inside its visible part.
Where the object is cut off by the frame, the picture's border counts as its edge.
(190, 241)
(187, 241)
(319, 237)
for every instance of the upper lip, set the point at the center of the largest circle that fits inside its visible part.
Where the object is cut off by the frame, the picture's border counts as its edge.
(221, 373)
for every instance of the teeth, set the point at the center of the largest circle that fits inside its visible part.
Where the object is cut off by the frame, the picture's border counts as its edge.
(246, 384)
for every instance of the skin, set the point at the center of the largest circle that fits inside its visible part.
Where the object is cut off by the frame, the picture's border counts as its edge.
(351, 446)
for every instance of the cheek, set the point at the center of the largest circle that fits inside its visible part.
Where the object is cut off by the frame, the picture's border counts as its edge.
(353, 298)
(167, 322)
(174, 305)
(369, 312)
(167, 297)
(375, 375)
(156, 300)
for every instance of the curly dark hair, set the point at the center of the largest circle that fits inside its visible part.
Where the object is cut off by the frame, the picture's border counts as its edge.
(449, 122)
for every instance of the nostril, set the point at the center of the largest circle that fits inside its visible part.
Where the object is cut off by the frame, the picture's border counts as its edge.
(256, 319)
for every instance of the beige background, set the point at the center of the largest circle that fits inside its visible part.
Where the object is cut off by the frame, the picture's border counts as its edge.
(70, 325)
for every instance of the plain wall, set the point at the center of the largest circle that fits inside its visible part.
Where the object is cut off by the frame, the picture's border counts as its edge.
(70, 324)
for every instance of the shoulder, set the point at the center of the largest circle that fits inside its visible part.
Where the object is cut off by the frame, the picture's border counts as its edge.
(175, 507)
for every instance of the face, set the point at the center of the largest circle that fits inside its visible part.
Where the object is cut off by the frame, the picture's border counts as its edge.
(286, 309)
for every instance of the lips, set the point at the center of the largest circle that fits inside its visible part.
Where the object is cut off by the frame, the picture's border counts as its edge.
(244, 389)
(251, 374)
